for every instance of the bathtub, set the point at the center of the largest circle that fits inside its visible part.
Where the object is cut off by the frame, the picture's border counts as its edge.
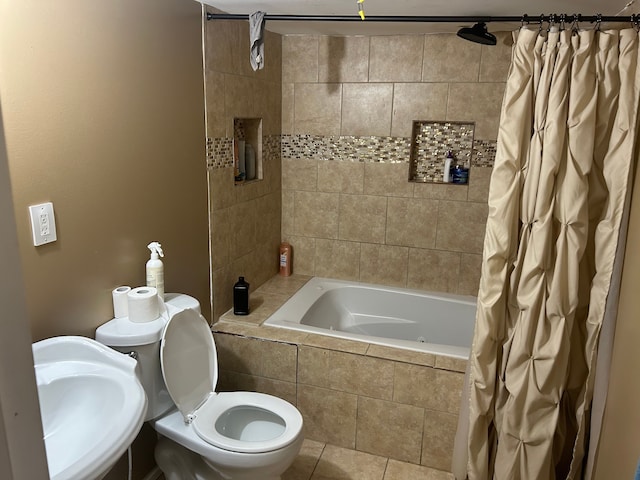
(437, 323)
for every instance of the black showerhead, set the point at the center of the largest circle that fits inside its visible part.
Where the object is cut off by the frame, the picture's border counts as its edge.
(478, 34)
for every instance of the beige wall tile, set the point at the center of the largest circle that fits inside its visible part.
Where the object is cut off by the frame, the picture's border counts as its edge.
(221, 237)
(417, 101)
(412, 222)
(341, 176)
(317, 108)
(222, 281)
(278, 360)
(477, 102)
(451, 363)
(238, 354)
(362, 375)
(243, 228)
(461, 226)
(496, 60)
(314, 366)
(240, 98)
(223, 193)
(337, 344)
(288, 201)
(299, 58)
(280, 285)
(329, 416)
(337, 259)
(428, 387)
(288, 90)
(304, 252)
(439, 435)
(236, 382)
(440, 191)
(389, 429)
(268, 218)
(396, 58)
(433, 270)
(448, 58)
(343, 59)
(470, 270)
(479, 182)
(299, 174)
(366, 109)
(404, 471)
(222, 47)
(338, 463)
(316, 214)
(216, 124)
(362, 218)
(389, 179)
(401, 355)
(272, 59)
(384, 264)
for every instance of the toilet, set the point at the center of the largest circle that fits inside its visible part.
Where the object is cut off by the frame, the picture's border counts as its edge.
(203, 434)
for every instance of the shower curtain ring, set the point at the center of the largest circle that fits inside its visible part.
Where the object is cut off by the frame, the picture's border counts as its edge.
(562, 21)
(576, 21)
(635, 21)
(524, 21)
(598, 21)
(552, 21)
(541, 22)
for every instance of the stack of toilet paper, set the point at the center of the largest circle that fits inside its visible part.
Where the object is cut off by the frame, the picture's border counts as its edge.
(140, 304)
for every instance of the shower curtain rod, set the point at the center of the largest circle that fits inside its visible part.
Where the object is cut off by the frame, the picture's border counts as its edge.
(552, 18)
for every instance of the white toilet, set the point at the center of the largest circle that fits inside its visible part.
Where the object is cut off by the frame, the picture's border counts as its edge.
(203, 434)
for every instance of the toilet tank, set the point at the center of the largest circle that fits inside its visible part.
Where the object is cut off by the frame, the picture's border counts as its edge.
(144, 339)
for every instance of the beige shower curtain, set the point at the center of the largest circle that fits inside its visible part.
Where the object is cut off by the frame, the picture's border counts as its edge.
(560, 180)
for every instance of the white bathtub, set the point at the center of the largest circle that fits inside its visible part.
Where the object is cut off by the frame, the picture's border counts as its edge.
(438, 323)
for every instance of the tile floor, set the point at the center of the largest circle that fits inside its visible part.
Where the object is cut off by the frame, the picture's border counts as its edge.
(319, 461)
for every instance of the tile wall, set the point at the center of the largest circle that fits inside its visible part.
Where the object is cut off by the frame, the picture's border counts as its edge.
(245, 219)
(356, 216)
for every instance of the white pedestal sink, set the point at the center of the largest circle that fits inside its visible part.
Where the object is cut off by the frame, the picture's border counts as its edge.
(91, 402)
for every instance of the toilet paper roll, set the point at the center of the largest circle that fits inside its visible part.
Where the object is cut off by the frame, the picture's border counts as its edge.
(120, 301)
(143, 304)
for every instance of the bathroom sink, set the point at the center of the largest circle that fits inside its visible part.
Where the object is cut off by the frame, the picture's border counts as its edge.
(91, 402)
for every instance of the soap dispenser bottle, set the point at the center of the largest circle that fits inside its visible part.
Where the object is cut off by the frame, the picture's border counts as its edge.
(448, 161)
(155, 269)
(241, 297)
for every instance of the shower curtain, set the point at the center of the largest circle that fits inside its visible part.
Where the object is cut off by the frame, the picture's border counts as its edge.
(566, 146)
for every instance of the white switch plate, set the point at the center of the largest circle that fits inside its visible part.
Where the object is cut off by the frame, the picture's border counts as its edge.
(43, 224)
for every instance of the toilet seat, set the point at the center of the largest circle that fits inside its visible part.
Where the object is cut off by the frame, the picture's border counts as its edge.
(244, 422)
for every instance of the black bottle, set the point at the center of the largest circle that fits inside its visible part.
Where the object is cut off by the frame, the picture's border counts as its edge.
(241, 297)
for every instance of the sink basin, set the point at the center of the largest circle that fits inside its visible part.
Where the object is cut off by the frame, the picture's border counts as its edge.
(91, 402)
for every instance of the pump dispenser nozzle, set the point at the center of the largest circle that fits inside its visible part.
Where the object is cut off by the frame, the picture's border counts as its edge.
(156, 249)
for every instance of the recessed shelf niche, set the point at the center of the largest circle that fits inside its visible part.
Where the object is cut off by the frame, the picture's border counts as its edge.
(430, 142)
(247, 150)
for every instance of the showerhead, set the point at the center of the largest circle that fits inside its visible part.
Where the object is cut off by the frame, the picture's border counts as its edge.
(478, 34)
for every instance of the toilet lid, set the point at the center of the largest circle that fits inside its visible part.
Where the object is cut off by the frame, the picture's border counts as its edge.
(189, 361)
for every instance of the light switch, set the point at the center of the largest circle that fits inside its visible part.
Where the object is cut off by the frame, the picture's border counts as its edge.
(43, 224)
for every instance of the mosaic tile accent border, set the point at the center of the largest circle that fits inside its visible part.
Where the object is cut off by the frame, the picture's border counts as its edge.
(430, 144)
(336, 148)
(219, 152)
(484, 153)
(346, 148)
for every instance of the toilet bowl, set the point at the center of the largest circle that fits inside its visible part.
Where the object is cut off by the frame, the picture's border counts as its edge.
(205, 434)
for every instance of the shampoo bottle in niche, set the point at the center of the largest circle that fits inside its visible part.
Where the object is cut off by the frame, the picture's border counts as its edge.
(241, 297)
(286, 253)
(448, 162)
(155, 269)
